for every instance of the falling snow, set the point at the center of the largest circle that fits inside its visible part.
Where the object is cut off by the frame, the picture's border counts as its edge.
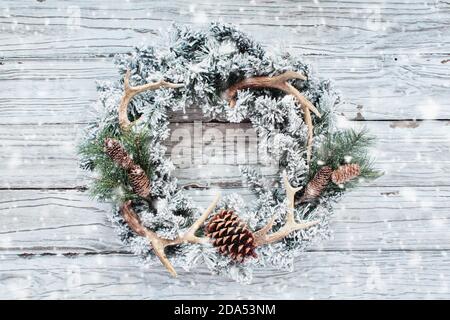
(390, 238)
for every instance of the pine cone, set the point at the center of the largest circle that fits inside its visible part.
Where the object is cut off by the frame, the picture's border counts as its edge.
(231, 236)
(345, 173)
(118, 154)
(315, 187)
(139, 181)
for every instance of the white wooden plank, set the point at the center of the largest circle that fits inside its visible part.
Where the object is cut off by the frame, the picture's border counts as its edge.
(368, 218)
(54, 222)
(410, 154)
(317, 275)
(373, 88)
(83, 28)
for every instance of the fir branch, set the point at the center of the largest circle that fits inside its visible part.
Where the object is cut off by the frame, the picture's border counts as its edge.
(348, 146)
(113, 182)
(253, 178)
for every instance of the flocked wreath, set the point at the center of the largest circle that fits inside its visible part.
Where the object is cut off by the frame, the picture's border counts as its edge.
(232, 78)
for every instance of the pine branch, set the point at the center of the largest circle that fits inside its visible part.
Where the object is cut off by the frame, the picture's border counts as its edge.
(253, 178)
(342, 147)
(113, 182)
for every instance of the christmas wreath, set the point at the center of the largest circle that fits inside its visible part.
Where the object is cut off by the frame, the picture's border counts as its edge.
(231, 78)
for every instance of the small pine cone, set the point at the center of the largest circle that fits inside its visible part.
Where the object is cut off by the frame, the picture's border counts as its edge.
(315, 187)
(117, 153)
(139, 181)
(231, 236)
(345, 173)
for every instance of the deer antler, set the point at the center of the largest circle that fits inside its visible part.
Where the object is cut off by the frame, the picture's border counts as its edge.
(262, 237)
(159, 244)
(130, 92)
(279, 82)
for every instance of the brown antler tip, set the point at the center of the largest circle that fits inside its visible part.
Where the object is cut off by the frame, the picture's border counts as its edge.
(131, 91)
(279, 82)
(294, 75)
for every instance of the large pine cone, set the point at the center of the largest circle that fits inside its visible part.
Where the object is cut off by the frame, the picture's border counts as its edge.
(118, 154)
(345, 173)
(315, 187)
(139, 181)
(231, 236)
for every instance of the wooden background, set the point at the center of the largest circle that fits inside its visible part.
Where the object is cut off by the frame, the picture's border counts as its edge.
(390, 59)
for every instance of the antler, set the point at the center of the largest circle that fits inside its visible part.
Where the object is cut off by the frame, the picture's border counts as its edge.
(279, 82)
(262, 237)
(159, 244)
(130, 92)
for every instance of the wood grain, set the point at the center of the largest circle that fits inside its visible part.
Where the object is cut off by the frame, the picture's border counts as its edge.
(44, 156)
(370, 218)
(317, 275)
(325, 27)
(375, 87)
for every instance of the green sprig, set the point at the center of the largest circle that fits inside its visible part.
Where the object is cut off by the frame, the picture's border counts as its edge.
(112, 182)
(341, 147)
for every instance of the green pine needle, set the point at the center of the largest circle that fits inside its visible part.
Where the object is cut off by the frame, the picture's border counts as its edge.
(112, 182)
(341, 147)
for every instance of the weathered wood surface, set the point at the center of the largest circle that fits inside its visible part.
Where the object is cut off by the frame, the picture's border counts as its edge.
(47, 29)
(333, 275)
(389, 59)
(44, 156)
(369, 218)
(394, 87)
